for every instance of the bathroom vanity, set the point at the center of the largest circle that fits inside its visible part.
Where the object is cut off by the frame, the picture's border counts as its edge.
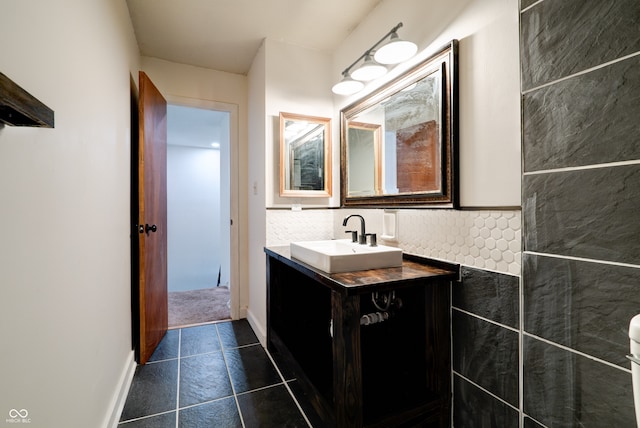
(369, 348)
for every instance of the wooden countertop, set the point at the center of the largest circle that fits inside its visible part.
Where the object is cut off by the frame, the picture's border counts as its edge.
(413, 269)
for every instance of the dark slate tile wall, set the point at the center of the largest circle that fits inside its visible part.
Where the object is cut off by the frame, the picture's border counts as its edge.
(577, 121)
(581, 201)
(582, 305)
(530, 423)
(474, 408)
(485, 323)
(490, 295)
(585, 213)
(562, 37)
(526, 3)
(565, 389)
(486, 354)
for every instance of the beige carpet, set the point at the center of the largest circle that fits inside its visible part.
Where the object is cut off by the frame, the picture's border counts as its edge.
(198, 306)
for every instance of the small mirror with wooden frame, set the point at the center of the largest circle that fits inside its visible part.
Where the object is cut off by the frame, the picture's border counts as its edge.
(305, 156)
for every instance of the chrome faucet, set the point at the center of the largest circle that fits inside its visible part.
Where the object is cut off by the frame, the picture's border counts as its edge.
(362, 239)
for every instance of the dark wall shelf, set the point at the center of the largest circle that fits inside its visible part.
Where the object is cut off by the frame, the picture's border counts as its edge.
(20, 108)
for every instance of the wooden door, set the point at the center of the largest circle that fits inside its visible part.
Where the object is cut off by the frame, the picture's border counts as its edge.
(152, 218)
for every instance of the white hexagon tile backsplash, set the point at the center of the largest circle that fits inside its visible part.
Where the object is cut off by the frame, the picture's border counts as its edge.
(482, 239)
(285, 226)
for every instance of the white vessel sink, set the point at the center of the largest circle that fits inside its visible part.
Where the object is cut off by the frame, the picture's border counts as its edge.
(342, 255)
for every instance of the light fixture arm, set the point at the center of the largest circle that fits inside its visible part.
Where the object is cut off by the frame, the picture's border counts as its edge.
(345, 72)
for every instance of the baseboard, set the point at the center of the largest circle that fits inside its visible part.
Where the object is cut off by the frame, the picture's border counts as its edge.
(243, 312)
(124, 383)
(258, 328)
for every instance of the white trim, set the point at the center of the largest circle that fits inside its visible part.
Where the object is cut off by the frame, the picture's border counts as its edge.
(582, 259)
(258, 328)
(517, 275)
(583, 167)
(530, 6)
(243, 311)
(178, 382)
(521, 350)
(580, 73)
(118, 400)
(471, 314)
(235, 287)
(575, 351)
(486, 391)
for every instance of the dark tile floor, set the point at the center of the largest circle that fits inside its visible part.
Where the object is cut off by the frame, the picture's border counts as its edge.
(214, 375)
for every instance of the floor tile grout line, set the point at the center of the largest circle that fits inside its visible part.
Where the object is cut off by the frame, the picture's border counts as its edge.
(250, 391)
(226, 397)
(144, 417)
(161, 361)
(201, 354)
(179, 358)
(177, 393)
(262, 388)
(222, 349)
(286, 385)
(180, 327)
(231, 395)
(239, 347)
(235, 394)
(178, 385)
(233, 389)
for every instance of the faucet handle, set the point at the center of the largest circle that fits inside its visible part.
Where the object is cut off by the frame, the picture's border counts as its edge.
(354, 235)
(373, 239)
(362, 240)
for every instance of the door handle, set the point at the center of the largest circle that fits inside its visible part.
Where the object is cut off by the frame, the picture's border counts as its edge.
(151, 228)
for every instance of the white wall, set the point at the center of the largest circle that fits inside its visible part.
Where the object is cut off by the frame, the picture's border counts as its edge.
(256, 313)
(297, 81)
(283, 78)
(204, 88)
(64, 215)
(65, 320)
(487, 31)
(193, 218)
(226, 192)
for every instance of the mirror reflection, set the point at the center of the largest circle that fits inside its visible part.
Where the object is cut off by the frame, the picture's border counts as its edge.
(364, 153)
(305, 148)
(397, 144)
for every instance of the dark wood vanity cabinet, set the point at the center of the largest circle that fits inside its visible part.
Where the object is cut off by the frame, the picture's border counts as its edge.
(386, 374)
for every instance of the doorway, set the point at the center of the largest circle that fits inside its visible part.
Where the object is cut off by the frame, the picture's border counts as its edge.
(199, 212)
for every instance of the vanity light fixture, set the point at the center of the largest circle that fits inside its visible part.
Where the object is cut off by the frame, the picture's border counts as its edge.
(369, 70)
(347, 85)
(394, 51)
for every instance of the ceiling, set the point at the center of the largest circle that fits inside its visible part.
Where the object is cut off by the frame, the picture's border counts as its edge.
(196, 127)
(225, 35)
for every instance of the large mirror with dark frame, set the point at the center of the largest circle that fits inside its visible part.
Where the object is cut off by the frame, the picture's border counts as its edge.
(305, 156)
(399, 143)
